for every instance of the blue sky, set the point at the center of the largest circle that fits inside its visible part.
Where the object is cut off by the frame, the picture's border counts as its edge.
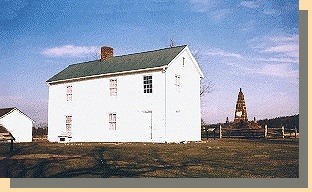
(253, 45)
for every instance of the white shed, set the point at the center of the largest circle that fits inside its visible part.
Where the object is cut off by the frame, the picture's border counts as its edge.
(151, 96)
(17, 123)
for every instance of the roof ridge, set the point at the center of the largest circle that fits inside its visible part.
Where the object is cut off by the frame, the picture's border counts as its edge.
(84, 62)
(132, 54)
(135, 61)
(7, 108)
(152, 50)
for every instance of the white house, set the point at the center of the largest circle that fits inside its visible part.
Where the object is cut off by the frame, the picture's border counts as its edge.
(17, 123)
(152, 96)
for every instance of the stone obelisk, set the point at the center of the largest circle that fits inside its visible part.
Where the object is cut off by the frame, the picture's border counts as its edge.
(240, 111)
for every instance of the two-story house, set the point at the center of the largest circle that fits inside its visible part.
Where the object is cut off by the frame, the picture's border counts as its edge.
(151, 96)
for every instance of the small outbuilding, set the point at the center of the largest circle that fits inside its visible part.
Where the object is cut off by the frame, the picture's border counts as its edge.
(18, 124)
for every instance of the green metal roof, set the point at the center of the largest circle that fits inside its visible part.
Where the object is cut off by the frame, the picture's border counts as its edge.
(136, 61)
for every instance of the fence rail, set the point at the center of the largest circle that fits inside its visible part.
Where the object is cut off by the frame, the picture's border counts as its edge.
(7, 137)
(225, 132)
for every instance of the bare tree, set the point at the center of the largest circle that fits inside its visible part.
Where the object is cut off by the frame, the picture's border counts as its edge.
(205, 87)
(94, 56)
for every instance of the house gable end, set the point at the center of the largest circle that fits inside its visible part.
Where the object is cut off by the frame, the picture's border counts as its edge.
(196, 65)
(11, 110)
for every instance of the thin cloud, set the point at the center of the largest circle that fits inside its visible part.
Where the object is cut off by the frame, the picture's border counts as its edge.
(271, 12)
(249, 26)
(212, 8)
(276, 59)
(220, 14)
(284, 38)
(278, 70)
(276, 56)
(284, 70)
(221, 53)
(249, 4)
(70, 51)
(286, 46)
(291, 50)
(202, 5)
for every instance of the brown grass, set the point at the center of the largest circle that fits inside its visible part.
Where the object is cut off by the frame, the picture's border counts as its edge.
(221, 158)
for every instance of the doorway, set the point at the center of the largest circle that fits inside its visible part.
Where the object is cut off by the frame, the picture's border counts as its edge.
(147, 124)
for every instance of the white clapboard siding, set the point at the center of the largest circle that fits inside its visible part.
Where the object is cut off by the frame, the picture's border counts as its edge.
(165, 115)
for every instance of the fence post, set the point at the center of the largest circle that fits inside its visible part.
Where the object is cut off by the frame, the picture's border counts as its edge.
(295, 132)
(283, 132)
(214, 134)
(265, 131)
(220, 131)
(11, 147)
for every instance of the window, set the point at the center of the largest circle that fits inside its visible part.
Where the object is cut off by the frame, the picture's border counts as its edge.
(147, 84)
(69, 123)
(112, 121)
(177, 82)
(113, 87)
(69, 92)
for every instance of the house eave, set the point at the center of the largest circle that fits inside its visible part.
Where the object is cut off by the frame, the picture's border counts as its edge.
(107, 75)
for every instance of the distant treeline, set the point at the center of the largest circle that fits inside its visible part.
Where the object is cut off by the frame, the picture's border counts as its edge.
(289, 122)
(40, 131)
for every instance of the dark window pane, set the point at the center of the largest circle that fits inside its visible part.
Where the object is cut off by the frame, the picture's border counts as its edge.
(147, 84)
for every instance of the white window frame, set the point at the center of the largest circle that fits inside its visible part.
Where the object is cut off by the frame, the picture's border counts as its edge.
(113, 87)
(69, 123)
(112, 121)
(69, 92)
(147, 84)
(178, 83)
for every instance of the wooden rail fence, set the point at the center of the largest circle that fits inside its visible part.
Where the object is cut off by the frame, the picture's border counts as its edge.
(225, 132)
(7, 137)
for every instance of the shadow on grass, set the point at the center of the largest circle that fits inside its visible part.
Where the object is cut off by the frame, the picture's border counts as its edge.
(102, 168)
(231, 158)
(99, 169)
(43, 168)
(12, 167)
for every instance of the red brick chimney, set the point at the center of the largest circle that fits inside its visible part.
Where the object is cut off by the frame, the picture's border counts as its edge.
(106, 53)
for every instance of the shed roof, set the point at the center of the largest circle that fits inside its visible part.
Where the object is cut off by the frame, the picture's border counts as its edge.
(5, 111)
(124, 63)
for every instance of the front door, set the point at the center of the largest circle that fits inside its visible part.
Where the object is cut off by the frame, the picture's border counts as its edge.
(147, 125)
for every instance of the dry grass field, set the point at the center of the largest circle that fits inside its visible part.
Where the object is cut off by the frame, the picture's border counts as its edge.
(220, 158)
